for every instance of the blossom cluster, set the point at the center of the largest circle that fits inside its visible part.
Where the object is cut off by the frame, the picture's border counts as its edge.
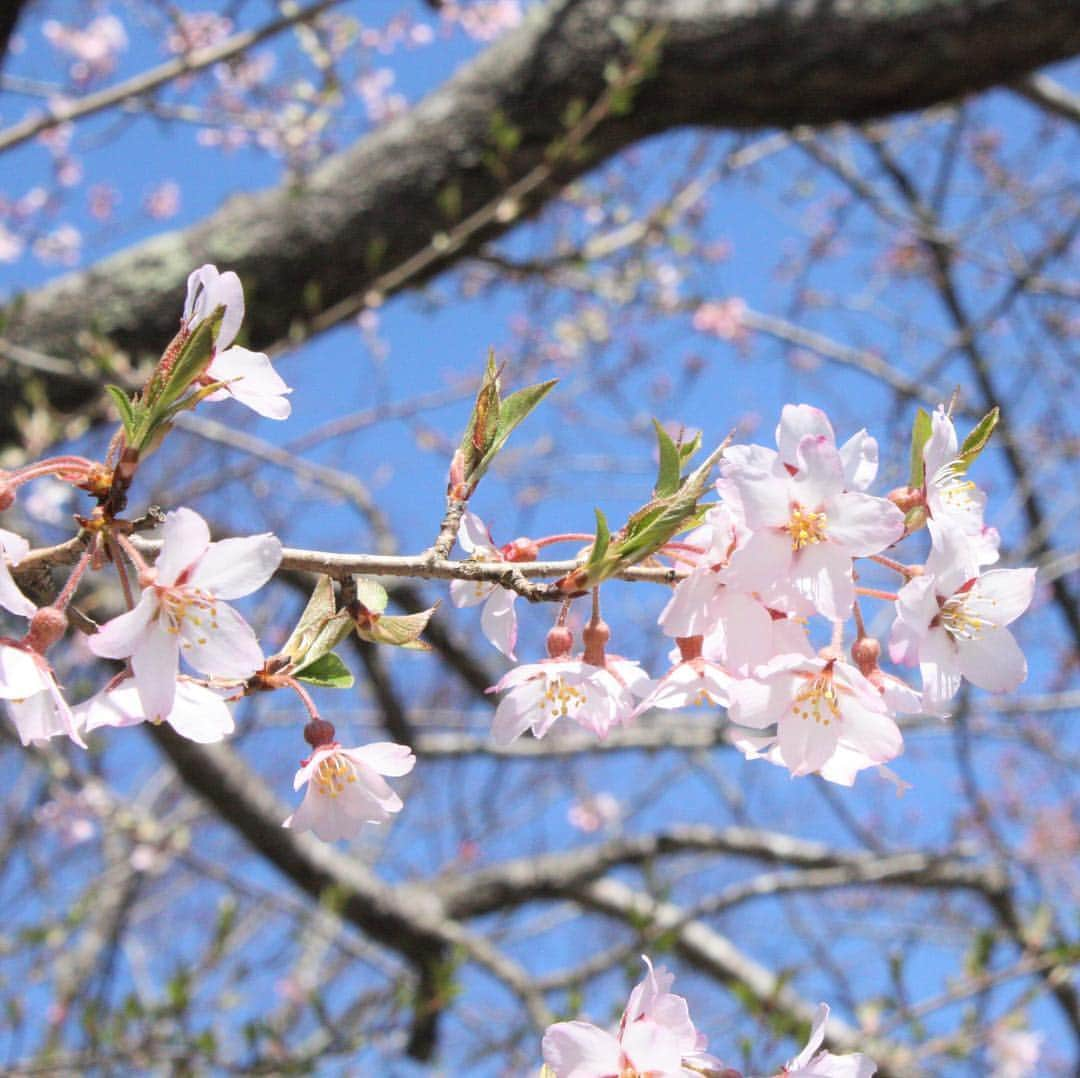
(769, 580)
(657, 1037)
(181, 616)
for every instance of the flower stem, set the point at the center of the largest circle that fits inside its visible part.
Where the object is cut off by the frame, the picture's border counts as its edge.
(889, 563)
(877, 593)
(565, 537)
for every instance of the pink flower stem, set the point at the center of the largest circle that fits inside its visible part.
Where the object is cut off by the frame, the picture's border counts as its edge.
(860, 628)
(121, 571)
(565, 537)
(68, 589)
(128, 548)
(905, 571)
(877, 593)
(53, 466)
(689, 547)
(292, 683)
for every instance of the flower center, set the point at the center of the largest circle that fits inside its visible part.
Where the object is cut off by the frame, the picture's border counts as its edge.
(560, 699)
(954, 489)
(806, 527)
(810, 698)
(334, 774)
(958, 621)
(191, 605)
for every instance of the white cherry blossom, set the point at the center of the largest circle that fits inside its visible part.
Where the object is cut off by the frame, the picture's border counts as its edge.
(181, 611)
(346, 788)
(829, 719)
(34, 700)
(198, 712)
(951, 621)
(13, 548)
(810, 1063)
(206, 291)
(250, 380)
(656, 1036)
(498, 619)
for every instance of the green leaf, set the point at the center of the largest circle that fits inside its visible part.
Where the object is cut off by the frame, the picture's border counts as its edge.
(192, 361)
(327, 671)
(602, 540)
(320, 608)
(670, 471)
(688, 449)
(921, 430)
(126, 409)
(371, 594)
(976, 441)
(397, 630)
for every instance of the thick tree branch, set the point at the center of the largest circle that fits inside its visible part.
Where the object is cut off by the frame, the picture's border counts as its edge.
(382, 204)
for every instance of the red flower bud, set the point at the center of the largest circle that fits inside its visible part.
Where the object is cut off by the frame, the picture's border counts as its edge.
(46, 627)
(559, 641)
(319, 732)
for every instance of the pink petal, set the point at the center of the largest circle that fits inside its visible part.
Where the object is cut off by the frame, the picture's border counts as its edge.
(870, 733)
(473, 536)
(385, 757)
(807, 742)
(120, 706)
(117, 639)
(185, 538)
(155, 663)
(817, 1036)
(235, 567)
(939, 665)
(797, 421)
(252, 381)
(11, 598)
(859, 455)
(200, 714)
(581, 1050)
(20, 674)
(821, 472)
(863, 524)
(993, 661)
(469, 592)
(1001, 595)
(758, 704)
(499, 622)
(822, 573)
(223, 645)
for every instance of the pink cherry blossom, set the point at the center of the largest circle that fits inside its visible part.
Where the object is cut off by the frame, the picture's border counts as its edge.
(807, 527)
(498, 620)
(249, 379)
(345, 788)
(656, 1036)
(1014, 1053)
(180, 611)
(807, 1064)
(859, 454)
(951, 621)
(13, 548)
(198, 712)
(691, 682)
(35, 703)
(594, 812)
(596, 697)
(829, 718)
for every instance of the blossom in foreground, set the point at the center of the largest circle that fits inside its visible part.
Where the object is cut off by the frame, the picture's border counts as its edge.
(35, 703)
(655, 1037)
(249, 377)
(345, 788)
(198, 713)
(13, 548)
(498, 620)
(807, 527)
(180, 611)
(596, 697)
(951, 621)
(810, 1063)
(829, 718)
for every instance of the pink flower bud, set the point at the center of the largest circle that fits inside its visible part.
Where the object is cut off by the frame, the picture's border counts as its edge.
(595, 635)
(906, 498)
(865, 653)
(319, 732)
(522, 549)
(46, 627)
(7, 495)
(559, 641)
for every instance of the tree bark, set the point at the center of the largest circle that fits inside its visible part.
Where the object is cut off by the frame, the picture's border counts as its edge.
(301, 249)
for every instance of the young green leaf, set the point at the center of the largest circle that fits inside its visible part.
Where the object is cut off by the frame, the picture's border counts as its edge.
(670, 470)
(371, 594)
(328, 671)
(397, 630)
(976, 441)
(126, 408)
(602, 540)
(320, 608)
(921, 429)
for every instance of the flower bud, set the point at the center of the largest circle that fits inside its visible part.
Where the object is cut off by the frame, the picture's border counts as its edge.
(865, 653)
(906, 498)
(7, 494)
(522, 549)
(559, 641)
(595, 635)
(46, 627)
(319, 732)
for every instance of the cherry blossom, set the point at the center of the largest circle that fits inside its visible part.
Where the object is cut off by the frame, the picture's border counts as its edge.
(198, 712)
(1014, 1053)
(601, 810)
(498, 619)
(951, 621)
(859, 454)
(345, 788)
(807, 1064)
(830, 719)
(35, 703)
(656, 1036)
(693, 681)
(13, 548)
(807, 527)
(596, 697)
(180, 611)
(952, 499)
(207, 290)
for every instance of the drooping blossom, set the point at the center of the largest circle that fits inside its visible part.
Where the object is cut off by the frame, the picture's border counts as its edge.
(806, 526)
(346, 788)
(810, 1063)
(829, 718)
(953, 500)
(498, 620)
(198, 712)
(34, 700)
(951, 621)
(656, 1036)
(180, 611)
(249, 376)
(596, 697)
(13, 548)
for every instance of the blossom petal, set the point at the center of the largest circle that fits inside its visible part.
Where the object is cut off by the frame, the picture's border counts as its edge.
(499, 621)
(155, 662)
(859, 455)
(993, 661)
(473, 535)
(581, 1050)
(235, 567)
(939, 666)
(11, 599)
(469, 592)
(252, 381)
(20, 674)
(797, 421)
(200, 714)
(385, 757)
(807, 741)
(225, 646)
(821, 472)
(1001, 595)
(118, 638)
(822, 573)
(863, 524)
(185, 538)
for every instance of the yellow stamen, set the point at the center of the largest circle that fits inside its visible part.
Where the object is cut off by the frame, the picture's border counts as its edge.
(806, 527)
